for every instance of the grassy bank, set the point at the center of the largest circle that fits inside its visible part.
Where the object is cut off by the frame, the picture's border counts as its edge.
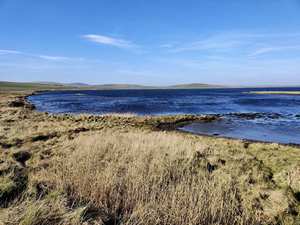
(123, 169)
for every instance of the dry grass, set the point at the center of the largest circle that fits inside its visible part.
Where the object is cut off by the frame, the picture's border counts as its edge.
(149, 178)
(51, 210)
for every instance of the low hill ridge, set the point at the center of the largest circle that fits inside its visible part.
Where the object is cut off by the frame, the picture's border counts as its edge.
(54, 85)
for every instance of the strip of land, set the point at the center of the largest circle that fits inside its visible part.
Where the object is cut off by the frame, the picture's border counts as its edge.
(124, 169)
(18, 86)
(276, 92)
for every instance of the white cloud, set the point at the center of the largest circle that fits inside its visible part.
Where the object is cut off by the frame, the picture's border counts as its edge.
(262, 51)
(217, 42)
(57, 58)
(105, 40)
(266, 50)
(44, 57)
(240, 41)
(6, 52)
(209, 44)
(53, 58)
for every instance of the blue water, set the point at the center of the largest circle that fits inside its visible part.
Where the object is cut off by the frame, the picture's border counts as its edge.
(279, 121)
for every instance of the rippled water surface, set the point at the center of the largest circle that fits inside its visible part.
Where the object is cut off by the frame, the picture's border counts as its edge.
(278, 119)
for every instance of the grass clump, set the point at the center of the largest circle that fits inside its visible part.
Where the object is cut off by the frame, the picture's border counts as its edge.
(39, 213)
(53, 209)
(12, 185)
(7, 189)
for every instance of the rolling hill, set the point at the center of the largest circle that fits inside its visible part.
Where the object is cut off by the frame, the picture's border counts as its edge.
(4, 85)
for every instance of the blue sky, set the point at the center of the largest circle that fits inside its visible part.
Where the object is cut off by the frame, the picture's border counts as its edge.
(159, 42)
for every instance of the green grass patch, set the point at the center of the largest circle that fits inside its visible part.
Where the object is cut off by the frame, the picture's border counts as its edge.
(15, 86)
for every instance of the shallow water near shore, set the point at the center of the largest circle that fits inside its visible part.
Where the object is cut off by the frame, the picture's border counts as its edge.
(271, 118)
(285, 132)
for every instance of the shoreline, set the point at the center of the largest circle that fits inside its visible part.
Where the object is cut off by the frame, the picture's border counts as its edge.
(175, 122)
(244, 140)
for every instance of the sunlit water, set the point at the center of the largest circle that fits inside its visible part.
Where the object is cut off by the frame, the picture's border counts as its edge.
(278, 121)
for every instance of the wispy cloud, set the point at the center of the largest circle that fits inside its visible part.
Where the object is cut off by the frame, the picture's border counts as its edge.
(239, 41)
(54, 58)
(169, 45)
(106, 40)
(6, 52)
(217, 42)
(40, 56)
(58, 58)
(209, 44)
(166, 45)
(266, 50)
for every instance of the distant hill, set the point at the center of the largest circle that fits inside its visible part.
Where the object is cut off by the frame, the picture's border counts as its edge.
(61, 84)
(137, 86)
(18, 86)
(4, 85)
(77, 84)
(120, 86)
(194, 86)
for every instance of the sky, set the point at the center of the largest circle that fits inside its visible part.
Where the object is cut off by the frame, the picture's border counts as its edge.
(157, 42)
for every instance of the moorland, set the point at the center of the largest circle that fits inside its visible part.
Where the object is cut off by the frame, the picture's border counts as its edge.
(128, 169)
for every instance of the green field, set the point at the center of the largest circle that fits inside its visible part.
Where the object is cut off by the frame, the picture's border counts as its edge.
(16, 86)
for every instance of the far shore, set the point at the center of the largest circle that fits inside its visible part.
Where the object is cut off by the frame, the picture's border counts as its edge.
(275, 92)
